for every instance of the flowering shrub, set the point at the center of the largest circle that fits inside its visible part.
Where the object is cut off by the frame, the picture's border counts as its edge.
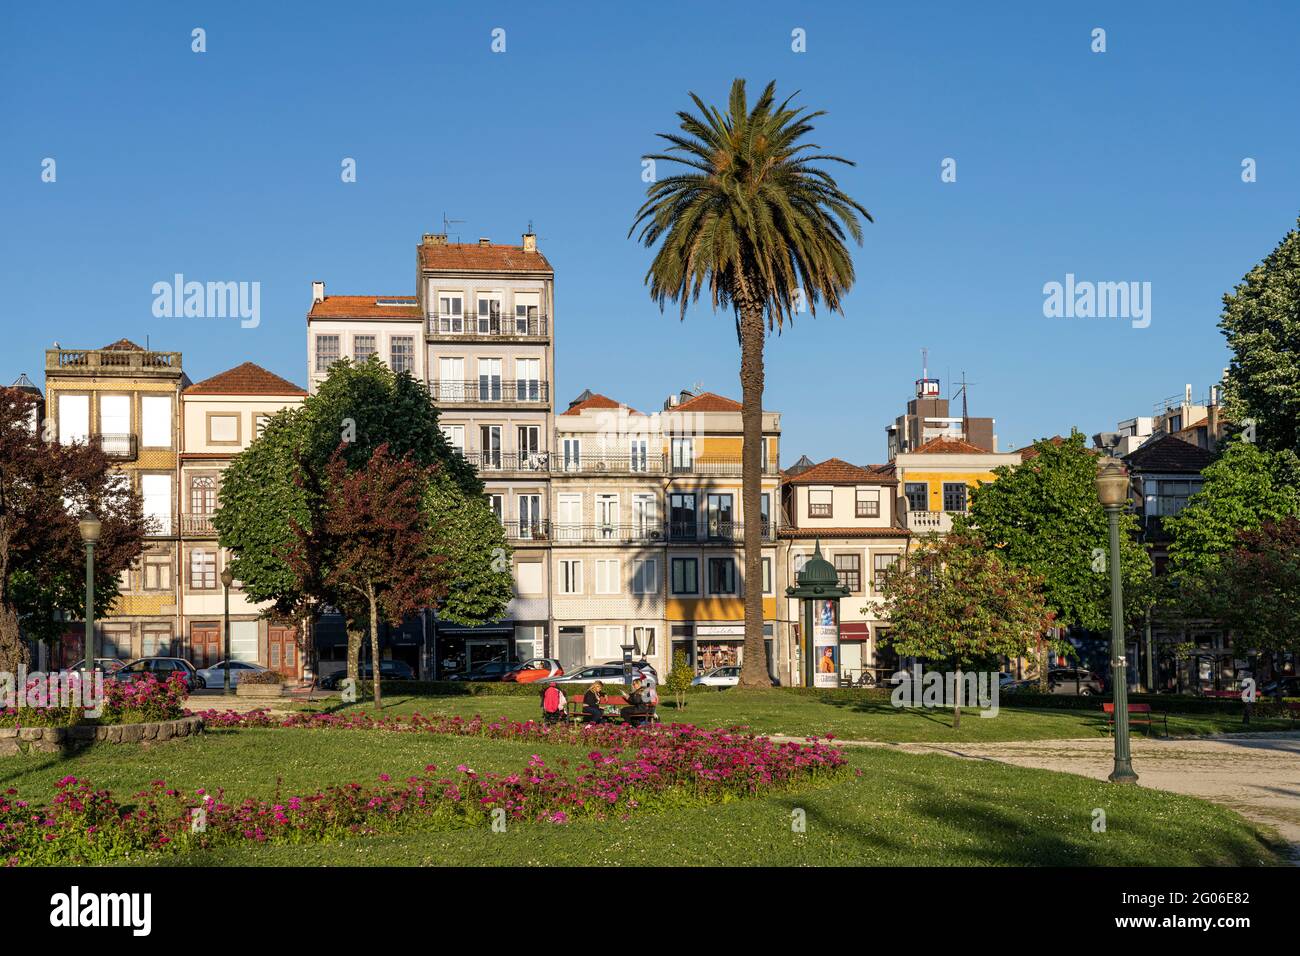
(144, 700)
(82, 825)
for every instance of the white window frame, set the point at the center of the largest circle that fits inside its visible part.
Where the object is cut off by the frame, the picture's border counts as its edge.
(608, 571)
(570, 576)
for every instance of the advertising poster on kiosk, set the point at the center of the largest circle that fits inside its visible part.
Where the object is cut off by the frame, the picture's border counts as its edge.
(825, 645)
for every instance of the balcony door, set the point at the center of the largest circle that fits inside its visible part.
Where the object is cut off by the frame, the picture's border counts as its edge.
(115, 424)
(721, 517)
(489, 314)
(607, 516)
(681, 515)
(529, 444)
(645, 516)
(450, 313)
(489, 444)
(489, 380)
(451, 379)
(530, 516)
(569, 517)
(528, 379)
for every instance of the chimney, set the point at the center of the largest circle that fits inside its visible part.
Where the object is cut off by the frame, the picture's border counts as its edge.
(317, 292)
(435, 239)
(530, 242)
(484, 242)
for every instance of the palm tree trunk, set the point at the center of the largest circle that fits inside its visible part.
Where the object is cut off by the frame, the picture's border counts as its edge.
(753, 671)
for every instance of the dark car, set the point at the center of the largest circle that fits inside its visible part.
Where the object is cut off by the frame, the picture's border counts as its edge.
(1286, 686)
(162, 668)
(388, 670)
(489, 671)
(1074, 680)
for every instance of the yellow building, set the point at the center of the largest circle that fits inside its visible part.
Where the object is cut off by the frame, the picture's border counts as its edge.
(935, 481)
(126, 399)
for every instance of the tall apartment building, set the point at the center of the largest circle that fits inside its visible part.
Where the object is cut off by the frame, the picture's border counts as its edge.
(127, 400)
(479, 332)
(647, 530)
(221, 416)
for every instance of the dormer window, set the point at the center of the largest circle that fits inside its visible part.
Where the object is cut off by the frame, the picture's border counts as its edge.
(868, 503)
(821, 502)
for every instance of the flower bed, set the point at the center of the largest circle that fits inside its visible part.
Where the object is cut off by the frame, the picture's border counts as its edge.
(144, 701)
(671, 767)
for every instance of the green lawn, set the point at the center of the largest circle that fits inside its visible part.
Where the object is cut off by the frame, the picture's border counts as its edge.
(781, 712)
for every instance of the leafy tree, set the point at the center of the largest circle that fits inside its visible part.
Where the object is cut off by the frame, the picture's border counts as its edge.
(373, 539)
(1261, 320)
(45, 489)
(280, 481)
(1245, 487)
(1044, 515)
(1258, 588)
(756, 218)
(680, 678)
(958, 602)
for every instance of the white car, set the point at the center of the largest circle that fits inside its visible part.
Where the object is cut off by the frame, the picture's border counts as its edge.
(214, 677)
(719, 677)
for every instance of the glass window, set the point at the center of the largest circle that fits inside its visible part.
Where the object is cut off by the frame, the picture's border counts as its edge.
(645, 575)
(203, 569)
(363, 346)
(849, 569)
(157, 572)
(607, 572)
(918, 496)
(868, 503)
(401, 351)
(881, 564)
(327, 352)
(203, 495)
(570, 576)
(722, 575)
(686, 576)
(821, 502)
(954, 496)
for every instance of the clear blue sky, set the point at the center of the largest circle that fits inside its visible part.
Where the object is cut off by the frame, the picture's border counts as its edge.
(1121, 166)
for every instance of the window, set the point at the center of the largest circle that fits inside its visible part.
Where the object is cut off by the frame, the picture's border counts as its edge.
(528, 439)
(489, 313)
(203, 570)
(686, 576)
(451, 379)
(156, 421)
(849, 569)
(401, 354)
(645, 516)
(572, 454)
(881, 565)
(489, 446)
(223, 429)
(954, 496)
(765, 514)
(455, 436)
(203, 495)
(526, 313)
(327, 352)
(363, 346)
(74, 419)
(489, 380)
(497, 504)
(570, 516)
(530, 516)
(722, 575)
(607, 516)
(157, 572)
(643, 641)
(609, 641)
(607, 581)
(767, 575)
(821, 502)
(528, 641)
(115, 641)
(645, 575)
(720, 516)
(243, 641)
(528, 379)
(529, 578)
(681, 515)
(636, 454)
(451, 306)
(115, 424)
(1169, 497)
(259, 424)
(683, 451)
(918, 496)
(156, 490)
(156, 640)
(570, 576)
(868, 500)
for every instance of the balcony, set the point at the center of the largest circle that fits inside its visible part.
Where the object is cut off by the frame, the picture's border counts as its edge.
(714, 531)
(527, 529)
(930, 522)
(635, 533)
(535, 462)
(197, 526)
(653, 465)
(494, 328)
(118, 447)
(491, 392)
(112, 361)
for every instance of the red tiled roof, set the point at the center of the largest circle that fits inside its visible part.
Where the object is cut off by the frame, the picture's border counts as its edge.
(833, 471)
(596, 401)
(1029, 451)
(122, 345)
(949, 446)
(365, 307)
(246, 379)
(472, 257)
(828, 533)
(708, 402)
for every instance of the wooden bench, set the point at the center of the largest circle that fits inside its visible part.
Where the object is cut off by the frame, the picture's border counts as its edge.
(1140, 714)
(577, 715)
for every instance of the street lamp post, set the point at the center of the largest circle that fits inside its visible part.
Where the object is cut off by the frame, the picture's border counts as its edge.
(227, 579)
(1112, 489)
(90, 528)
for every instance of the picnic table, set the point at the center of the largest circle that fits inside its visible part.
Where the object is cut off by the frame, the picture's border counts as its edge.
(612, 710)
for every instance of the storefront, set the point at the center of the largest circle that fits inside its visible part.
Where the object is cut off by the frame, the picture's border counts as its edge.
(710, 645)
(458, 650)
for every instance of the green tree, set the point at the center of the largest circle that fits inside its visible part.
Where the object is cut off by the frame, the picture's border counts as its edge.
(680, 678)
(280, 481)
(1257, 585)
(956, 602)
(1261, 320)
(755, 218)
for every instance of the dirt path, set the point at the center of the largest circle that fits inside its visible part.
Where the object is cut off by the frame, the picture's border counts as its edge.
(1258, 775)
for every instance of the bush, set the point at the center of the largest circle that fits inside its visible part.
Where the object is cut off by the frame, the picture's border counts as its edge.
(679, 678)
(261, 677)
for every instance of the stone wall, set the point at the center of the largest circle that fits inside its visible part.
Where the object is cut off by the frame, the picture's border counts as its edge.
(14, 740)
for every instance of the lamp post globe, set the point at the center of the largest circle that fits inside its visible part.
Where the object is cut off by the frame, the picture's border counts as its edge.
(1113, 492)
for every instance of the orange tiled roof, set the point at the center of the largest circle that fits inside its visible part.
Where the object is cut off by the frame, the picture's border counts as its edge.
(246, 379)
(596, 401)
(888, 532)
(122, 345)
(365, 307)
(472, 257)
(834, 471)
(708, 402)
(1029, 451)
(949, 446)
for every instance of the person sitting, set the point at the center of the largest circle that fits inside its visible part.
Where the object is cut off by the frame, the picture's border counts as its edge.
(638, 705)
(591, 712)
(553, 702)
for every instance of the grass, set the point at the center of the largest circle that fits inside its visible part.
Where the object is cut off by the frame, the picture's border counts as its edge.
(781, 712)
(901, 809)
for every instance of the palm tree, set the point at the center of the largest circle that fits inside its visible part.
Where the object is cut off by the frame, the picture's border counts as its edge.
(758, 220)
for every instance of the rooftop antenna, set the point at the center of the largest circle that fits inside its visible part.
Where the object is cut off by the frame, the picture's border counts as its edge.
(446, 222)
(962, 391)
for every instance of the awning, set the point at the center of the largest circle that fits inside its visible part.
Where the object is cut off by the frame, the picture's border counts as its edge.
(855, 631)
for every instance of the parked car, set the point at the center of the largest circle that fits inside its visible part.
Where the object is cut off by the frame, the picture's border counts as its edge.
(1018, 687)
(642, 668)
(534, 670)
(486, 672)
(215, 676)
(719, 677)
(162, 668)
(608, 673)
(1289, 687)
(1074, 680)
(1006, 679)
(109, 665)
(388, 670)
